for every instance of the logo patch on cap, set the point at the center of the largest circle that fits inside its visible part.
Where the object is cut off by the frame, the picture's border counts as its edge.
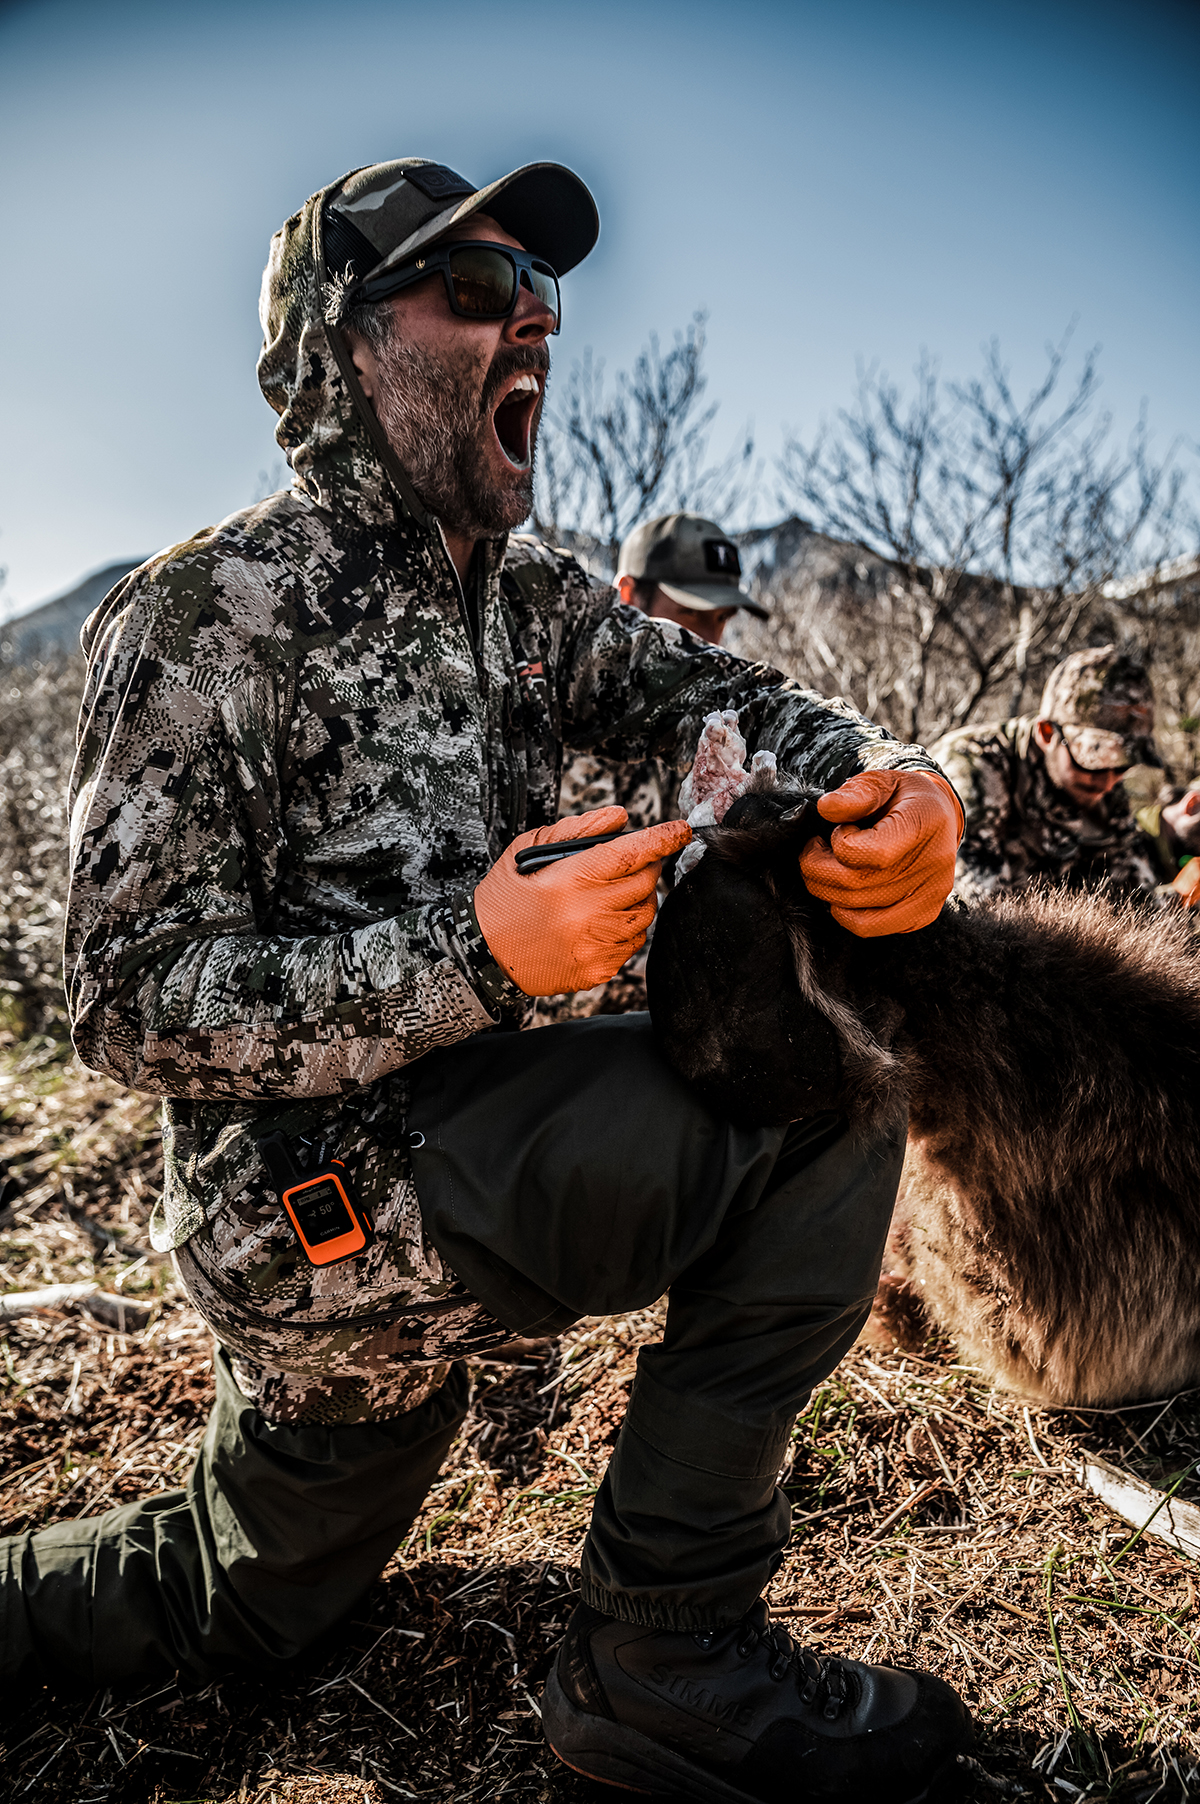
(438, 182)
(721, 558)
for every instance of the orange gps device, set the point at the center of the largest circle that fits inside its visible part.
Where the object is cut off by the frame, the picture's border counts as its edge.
(327, 1219)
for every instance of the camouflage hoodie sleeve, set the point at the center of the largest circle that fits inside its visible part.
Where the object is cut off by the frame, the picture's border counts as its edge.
(176, 983)
(634, 687)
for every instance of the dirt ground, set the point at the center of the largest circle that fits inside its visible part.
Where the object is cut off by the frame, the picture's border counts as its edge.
(936, 1522)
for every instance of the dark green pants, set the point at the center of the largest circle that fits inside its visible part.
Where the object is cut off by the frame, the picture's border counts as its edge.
(276, 1536)
(561, 1173)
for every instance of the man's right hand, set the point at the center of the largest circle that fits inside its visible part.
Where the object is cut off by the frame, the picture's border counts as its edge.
(573, 924)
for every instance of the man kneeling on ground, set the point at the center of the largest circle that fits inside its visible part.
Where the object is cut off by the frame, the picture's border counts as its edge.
(313, 740)
(1043, 793)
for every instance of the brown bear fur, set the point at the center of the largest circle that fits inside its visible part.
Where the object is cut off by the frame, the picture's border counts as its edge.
(1049, 1046)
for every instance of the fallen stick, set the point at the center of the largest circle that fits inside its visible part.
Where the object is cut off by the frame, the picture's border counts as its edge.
(998, 1603)
(835, 1509)
(1151, 1512)
(115, 1312)
(10, 1478)
(901, 1509)
(817, 1617)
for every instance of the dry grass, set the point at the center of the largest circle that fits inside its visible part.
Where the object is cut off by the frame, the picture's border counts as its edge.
(936, 1522)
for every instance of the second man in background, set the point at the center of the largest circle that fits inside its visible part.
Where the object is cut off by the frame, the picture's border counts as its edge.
(684, 568)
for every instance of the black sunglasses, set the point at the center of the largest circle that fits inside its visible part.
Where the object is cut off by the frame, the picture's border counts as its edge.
(1107, 770)
(482, 281)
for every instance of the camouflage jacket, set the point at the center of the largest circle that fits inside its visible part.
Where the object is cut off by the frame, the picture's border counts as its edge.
(648, 791)
(1020, 826)
(300, 749)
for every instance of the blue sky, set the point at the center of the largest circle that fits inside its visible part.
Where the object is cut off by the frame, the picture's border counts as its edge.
(831, 182)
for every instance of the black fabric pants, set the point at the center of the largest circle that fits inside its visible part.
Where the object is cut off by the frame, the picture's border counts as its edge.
(571, 1168)
(561, 1173)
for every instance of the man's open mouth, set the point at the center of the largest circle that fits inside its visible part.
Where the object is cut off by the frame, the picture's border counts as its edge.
(513, 418)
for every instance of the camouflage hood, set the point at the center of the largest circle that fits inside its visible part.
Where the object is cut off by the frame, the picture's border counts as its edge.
(326, 429)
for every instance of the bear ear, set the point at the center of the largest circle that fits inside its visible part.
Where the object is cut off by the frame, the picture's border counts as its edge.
(807, 812)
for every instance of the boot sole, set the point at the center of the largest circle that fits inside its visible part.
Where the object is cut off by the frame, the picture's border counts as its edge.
(611, 1754)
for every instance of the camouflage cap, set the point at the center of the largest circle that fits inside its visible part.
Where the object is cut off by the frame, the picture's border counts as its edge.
(1102, 701)
(692, 560)
(375, 218)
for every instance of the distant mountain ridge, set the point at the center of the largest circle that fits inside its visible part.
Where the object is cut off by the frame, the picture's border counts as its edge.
(774, 559)
(768, 553)
(54, 626)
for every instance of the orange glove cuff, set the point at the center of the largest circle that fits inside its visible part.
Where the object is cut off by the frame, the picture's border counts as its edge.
(573, 924)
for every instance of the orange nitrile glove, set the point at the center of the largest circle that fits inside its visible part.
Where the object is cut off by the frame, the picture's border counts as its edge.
(892, 877)
(1187, 884)
(573, 924)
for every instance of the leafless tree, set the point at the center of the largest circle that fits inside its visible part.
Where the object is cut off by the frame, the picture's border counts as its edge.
(1158, 612)
(276, 476)
(611, 455)
(993, 526)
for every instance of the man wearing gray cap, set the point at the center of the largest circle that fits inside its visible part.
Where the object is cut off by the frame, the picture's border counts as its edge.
(679, 567)
(319, 749)
(684, 568)
(1043, 794)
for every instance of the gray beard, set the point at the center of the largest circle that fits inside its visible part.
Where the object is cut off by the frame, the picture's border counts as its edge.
(438, 434)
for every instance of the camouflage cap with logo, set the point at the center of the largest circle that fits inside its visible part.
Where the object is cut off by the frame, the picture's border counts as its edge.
(1103, 704)
(692, 560)
(379, 216)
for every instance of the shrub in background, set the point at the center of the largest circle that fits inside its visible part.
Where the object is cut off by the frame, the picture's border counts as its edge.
(39, 705)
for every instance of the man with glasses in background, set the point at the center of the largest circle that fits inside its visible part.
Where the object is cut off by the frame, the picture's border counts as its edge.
(319, 745)
(1043, 795)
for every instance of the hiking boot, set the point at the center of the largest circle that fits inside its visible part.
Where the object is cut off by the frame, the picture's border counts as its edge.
(744, 1716)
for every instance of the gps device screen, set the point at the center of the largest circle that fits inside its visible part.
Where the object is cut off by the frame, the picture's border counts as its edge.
(321, 1212)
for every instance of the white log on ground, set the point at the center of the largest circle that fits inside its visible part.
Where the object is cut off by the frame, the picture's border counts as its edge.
(114, 1311)
(1139, 1504)
(54, 1296)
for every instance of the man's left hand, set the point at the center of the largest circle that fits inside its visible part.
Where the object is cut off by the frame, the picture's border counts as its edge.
(893, 876)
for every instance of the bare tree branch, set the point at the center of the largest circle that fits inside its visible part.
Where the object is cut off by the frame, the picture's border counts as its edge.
(612, 455)
(1002, 521)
